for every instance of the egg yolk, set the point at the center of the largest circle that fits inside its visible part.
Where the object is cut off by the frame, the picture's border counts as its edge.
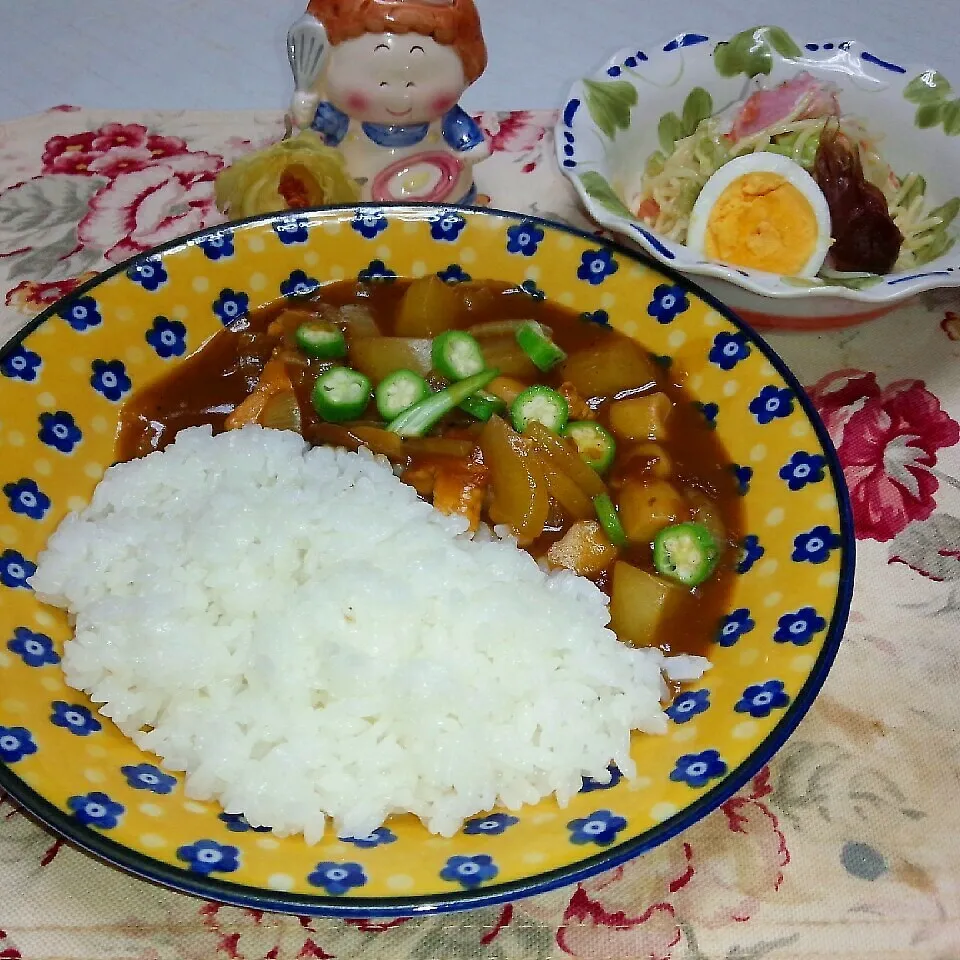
(762, 221)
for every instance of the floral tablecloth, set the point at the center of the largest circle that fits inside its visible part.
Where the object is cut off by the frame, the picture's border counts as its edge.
(848, 846)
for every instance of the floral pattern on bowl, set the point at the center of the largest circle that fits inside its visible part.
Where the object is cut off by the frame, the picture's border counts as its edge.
(643, 101)
(62, 383)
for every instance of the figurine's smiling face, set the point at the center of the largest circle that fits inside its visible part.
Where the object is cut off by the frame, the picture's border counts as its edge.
(396, 79)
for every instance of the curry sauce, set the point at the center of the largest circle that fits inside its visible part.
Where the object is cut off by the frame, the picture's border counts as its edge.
(210, 386)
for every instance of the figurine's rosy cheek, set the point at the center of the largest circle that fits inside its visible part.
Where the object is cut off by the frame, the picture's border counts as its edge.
(443, 102)
(357, 102)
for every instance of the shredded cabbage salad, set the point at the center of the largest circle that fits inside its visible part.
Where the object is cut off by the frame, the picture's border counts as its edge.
(789, 120)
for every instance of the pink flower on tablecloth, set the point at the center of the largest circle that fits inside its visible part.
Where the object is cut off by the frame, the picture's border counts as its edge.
(147, 207)
(734, 878)
(887, 440)
(245, 934)
(109, 151)
(517, 132)
(31, 296)
(118, 160)
(592, 930)
(7, 950)
(68, 154)
(160, 146)
(719, 872)
(112, 135)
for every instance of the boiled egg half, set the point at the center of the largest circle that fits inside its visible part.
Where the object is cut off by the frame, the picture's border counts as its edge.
(764, 212)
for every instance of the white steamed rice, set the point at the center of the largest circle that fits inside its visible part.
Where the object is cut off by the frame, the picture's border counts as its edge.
(307, 639)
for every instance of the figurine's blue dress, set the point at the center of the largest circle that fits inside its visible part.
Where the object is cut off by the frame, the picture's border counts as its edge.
(460, 132)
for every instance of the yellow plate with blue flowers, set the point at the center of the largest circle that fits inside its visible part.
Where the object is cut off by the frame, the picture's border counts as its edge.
(62, 386)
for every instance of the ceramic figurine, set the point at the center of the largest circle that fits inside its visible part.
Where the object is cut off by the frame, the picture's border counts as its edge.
(381, 80)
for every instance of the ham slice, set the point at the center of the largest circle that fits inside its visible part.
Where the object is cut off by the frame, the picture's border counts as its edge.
(764, 108)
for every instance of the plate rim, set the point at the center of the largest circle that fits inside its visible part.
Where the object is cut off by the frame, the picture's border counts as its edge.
(140, 865)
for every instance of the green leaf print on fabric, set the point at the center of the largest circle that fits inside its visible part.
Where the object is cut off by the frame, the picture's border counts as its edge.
(37, 211)
(832, 782)
(930, 548)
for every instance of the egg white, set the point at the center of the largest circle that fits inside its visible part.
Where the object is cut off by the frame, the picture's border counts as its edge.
(762, 162)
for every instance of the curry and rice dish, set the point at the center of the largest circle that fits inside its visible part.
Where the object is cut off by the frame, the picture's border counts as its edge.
(512, 412)
(265, 597)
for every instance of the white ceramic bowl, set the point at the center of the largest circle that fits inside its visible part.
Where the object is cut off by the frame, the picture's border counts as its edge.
(609, 127)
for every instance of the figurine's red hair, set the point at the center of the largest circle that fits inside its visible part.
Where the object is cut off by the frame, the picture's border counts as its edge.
(453, 23)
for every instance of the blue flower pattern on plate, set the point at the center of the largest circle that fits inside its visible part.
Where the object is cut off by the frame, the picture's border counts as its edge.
(110, 378)
(751, 551)
(600, 827)
(34, 649)
(743, 475)
(15, 744)
(734, 626)
(728, 350)
(760, 698)
(492, 825)
(337, 878)
(145, 776)
(524, 238)
(772, 403)
(150, 274)
(454, 274)
(26, 498)
(600, 317)
(96, 810)
(447, 226)
(208, 856)
(469, 872)
(687, 705)
(815, 546)
(369, 223)
(710, 412)
(380, 837)
(21, 364)
(668, 302)
(231, 305)
(800, 627)
(698, 769)
(167, 337)
(218, 246)
(590, 784)
(238, 823)
(75, 718)
(291, 230)
(82, 314)
(596, 266)
(16, 570)
(298, 284)
(60, 431)
(802, 469)
(530, 288)
(377, 270)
